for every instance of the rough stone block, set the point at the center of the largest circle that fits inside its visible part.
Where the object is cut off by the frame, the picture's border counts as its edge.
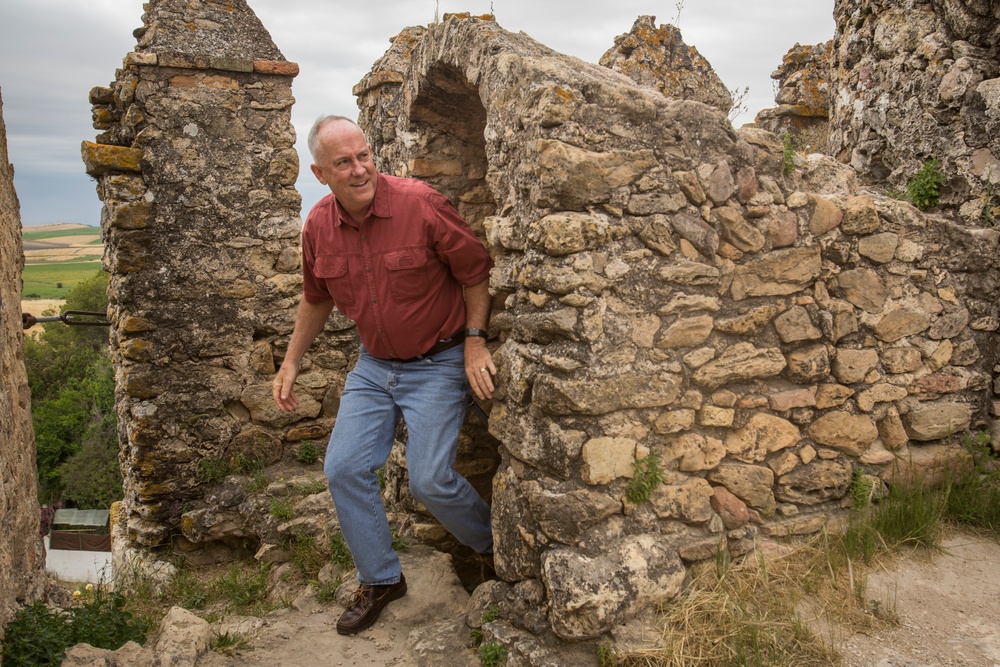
(935, 421)
(101, 159)
(843, 431)
(607, 459)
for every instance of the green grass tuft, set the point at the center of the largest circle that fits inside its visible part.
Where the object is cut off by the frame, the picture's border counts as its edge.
(647, 474)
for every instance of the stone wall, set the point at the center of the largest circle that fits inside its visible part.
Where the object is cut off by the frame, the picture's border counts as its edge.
(196, 168)
(803, 98)
(665, 291)
(22, 558)
(917, 81)
(665, 298)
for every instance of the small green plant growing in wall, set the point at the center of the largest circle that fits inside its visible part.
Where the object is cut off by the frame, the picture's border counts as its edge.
(492, 654)
(307, 453)
(646, 474)
(212, 469)
(788, 153)
(924, 189)
(281, 509)
(991, 206)
(605, 654)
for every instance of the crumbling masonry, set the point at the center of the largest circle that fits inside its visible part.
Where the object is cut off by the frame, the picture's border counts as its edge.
(664, 291)
(22, 559)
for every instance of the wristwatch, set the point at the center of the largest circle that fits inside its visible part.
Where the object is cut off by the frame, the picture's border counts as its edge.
(476, 332)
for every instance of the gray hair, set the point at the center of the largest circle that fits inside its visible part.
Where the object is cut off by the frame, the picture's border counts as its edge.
(313, 139)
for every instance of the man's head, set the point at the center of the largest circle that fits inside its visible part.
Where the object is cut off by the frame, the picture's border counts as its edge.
(342, 160)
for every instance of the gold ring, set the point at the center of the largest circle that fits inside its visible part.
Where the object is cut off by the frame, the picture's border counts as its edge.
(482, 370)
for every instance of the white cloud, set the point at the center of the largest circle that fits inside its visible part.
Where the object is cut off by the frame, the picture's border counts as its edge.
(53, 51)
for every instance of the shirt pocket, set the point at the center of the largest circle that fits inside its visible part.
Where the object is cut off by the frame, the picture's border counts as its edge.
(408, 273)
(332, 270)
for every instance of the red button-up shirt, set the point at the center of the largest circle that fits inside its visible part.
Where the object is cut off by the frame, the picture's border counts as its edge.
(399, 274)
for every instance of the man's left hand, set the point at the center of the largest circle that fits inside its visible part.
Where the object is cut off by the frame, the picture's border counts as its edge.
(479, 367)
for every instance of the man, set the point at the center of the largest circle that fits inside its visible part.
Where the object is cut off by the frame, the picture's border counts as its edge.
(395, 256)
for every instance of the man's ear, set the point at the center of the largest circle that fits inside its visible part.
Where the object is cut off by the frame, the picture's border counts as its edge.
(318, 173)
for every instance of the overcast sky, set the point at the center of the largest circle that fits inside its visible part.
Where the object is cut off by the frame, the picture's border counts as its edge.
(52, 52)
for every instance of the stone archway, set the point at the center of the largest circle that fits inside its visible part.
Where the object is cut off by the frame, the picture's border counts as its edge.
(445, 123)
(448, 118)
(672, 300)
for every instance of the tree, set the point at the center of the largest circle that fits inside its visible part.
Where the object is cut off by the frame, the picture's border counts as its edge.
(72, 394)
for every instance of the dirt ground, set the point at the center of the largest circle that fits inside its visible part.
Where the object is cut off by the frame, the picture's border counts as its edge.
(948, 606)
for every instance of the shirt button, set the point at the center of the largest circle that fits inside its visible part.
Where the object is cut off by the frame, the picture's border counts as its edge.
(374, 300)
(364, 236)
(368, 269)
(381, 331)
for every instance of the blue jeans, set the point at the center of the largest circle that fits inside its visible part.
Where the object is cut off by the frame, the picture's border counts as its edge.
(430, 394)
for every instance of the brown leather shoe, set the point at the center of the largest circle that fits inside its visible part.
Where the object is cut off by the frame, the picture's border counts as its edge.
(367, 604)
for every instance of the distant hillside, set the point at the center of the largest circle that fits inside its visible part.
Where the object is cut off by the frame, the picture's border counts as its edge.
(57, 257)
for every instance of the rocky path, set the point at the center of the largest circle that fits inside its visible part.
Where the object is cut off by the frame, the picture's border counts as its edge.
(948, 606)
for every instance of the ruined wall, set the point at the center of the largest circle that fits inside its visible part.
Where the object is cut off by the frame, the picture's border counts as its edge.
(917, 81)
(22, 558)
(667, 291)
(196, 168)
(803, 98)
(658, 57)
(663, 292)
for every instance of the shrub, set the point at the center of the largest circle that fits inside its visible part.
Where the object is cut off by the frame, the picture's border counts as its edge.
(247, 465)
(281, 509)
(339, 553)
(38, 635)
(243, 588)
(212, 469)
(924, 189)
(974, 496)
(492, 655)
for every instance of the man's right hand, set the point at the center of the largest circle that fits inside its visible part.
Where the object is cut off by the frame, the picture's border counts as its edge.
(309, 322)
(283, 387)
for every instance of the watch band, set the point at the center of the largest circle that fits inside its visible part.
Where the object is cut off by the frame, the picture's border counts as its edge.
(476, 332)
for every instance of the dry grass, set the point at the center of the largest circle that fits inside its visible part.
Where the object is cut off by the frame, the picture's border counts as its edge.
(775, 609)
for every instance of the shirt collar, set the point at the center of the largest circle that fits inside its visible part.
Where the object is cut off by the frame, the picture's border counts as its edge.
(381, 206)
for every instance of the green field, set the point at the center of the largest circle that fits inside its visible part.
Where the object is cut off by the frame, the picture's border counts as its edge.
(41, 281)
(53, 267)
(52, 234)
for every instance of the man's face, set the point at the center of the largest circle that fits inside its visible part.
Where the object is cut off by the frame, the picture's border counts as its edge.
(344, 163)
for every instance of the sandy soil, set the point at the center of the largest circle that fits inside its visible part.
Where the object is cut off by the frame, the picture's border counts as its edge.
(948, 606)
(425, 627)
